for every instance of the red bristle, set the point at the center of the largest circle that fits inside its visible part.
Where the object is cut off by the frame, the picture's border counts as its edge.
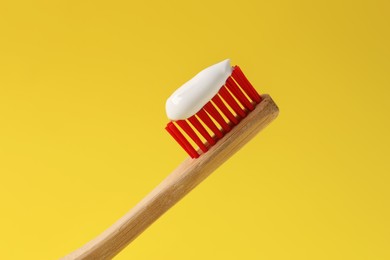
(240, 77)
(209, 107)
(191, 133)
(179, 137)
(198, 125)
(219, 103)
(231, 102)
(233, 87)
(175, 137)
(210, 124)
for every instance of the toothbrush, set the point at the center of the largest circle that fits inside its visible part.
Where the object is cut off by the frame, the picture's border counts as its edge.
(211, 117)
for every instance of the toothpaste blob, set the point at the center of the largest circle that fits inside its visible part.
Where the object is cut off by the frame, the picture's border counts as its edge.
(187, 100)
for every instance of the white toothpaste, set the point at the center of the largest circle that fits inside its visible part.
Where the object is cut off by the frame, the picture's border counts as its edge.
(195, 93)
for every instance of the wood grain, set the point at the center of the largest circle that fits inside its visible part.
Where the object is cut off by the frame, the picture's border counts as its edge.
(179, 183)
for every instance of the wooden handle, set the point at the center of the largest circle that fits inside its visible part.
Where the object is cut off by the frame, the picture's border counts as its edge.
(180, 182)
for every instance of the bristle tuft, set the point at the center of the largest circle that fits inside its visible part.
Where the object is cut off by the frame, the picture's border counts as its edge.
(224, 109)
(239, 76)
(231, 102)
(236, 91)
(209, 107)
(209, 123)
(179, 137)
(191, 133)
(198, 125)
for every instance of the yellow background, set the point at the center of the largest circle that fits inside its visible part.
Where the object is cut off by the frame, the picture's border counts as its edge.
(83, 86)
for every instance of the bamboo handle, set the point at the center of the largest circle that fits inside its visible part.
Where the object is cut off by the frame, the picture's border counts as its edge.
(180, 182)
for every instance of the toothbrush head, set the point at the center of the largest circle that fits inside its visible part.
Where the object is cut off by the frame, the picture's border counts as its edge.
(235, 97)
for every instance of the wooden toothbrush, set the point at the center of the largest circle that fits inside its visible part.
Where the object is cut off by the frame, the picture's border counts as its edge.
(237, 97)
